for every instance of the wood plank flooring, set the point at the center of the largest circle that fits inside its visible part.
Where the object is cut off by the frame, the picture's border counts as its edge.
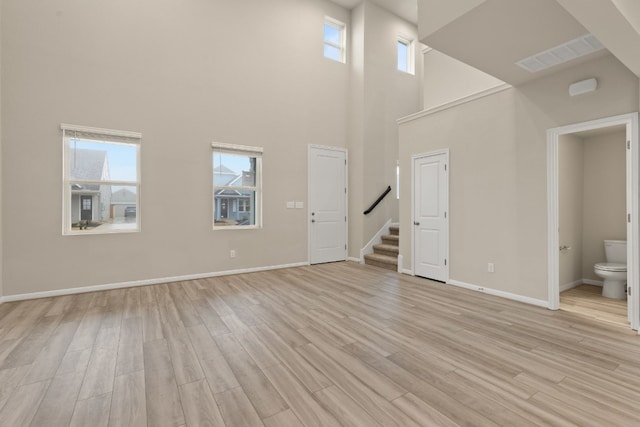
(587, 300)
(327, 345)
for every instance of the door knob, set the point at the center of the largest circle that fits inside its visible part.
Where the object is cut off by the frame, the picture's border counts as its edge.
(313, 220)
(416, 223)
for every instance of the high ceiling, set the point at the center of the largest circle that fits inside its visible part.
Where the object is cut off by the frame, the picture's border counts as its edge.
(498, 33)
(493, 35)
(406, 9)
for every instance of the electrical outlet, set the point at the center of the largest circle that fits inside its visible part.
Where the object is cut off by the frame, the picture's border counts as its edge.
(490, 267)
(232, 253)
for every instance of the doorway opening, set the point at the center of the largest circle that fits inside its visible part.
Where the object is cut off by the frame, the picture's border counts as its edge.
(592, 216)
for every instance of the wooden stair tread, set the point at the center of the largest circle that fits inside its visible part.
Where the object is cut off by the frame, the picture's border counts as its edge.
(386, 248)
(391, 238)
(385, 254)
(382, 258)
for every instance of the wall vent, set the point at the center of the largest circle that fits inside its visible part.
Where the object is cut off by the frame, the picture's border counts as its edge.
(562, 53)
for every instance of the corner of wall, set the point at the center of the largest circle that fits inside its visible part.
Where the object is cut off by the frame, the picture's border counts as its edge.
(1, 227)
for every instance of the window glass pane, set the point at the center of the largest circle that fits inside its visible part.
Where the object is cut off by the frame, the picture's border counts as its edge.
(234, 170)
(403, 57)
(332, 34)
(332, 53)
(232, 208)
(103, 208)
(100, 161)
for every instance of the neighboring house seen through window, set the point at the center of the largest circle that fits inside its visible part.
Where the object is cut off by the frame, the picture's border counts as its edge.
(335, 40)
(237, 186)
(101, 180)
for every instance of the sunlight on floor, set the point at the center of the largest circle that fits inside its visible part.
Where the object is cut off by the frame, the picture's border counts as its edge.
(587, 300)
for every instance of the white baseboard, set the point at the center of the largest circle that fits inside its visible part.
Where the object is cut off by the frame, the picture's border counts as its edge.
(571, 285)
(407, 271)
(502, 294)
(96, 288)
(354, 259)
(592, 282)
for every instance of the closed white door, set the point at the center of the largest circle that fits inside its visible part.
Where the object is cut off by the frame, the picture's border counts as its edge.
(327, 204)
(430, 222)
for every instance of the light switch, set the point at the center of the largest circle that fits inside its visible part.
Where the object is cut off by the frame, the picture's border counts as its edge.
(299, 205)
(291, 205)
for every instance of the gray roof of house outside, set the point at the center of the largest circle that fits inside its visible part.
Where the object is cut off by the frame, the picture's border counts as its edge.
(86, 164)
(123, 195)
(222, 175)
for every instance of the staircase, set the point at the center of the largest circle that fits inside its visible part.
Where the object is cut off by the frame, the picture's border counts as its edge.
(385, 254)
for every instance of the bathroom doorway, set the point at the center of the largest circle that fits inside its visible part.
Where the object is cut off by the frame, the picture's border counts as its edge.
(593, 197)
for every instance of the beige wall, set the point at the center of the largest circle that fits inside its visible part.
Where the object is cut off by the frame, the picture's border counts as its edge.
(571, 196)
(604, 197)
(1, 223)
(446, 79)
(498, 195)
(184, 74)
(448, 11)
(382, 94)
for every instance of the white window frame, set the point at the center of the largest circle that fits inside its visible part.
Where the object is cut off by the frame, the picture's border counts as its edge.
(342, 45)
(108, 136)
(411, 59)
(239, 150)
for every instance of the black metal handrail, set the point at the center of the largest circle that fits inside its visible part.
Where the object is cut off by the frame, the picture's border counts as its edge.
(382, 196)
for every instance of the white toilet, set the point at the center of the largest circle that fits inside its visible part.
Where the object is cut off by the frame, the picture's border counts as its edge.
(614, 271)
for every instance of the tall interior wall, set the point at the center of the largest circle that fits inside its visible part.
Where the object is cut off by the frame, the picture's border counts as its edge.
(447, 80)
(188, 74)
(113, 65)
(1, 180)
(498, 178)
(382, 95)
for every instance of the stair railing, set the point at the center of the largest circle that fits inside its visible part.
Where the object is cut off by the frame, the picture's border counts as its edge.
(382, 196)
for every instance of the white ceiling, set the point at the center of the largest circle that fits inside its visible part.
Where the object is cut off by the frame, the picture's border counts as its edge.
(495, 34)
(406, 9)
(498, 33)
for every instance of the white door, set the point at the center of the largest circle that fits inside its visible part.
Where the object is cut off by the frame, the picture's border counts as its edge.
(327, 204)
(430, 223)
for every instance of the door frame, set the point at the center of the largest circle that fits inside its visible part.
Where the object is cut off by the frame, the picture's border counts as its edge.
(415, 157)
(630, 121)
(346, 195)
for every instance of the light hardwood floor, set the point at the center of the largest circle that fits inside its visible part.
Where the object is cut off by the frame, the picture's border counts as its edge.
(327, 345)
(587, 300)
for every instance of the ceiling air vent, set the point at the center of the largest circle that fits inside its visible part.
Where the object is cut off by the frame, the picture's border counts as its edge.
(562, 53)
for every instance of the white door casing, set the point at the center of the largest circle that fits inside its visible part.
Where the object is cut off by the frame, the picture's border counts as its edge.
(630, 121)
(327, 204)
(430, 221)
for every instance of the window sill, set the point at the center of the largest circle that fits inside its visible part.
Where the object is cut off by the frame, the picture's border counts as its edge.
(237, 227)
(104, 231)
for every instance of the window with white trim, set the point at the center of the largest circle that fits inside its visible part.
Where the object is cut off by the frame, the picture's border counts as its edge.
(406, 59)
(335, 40)
(237, 186)
(101, 188)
